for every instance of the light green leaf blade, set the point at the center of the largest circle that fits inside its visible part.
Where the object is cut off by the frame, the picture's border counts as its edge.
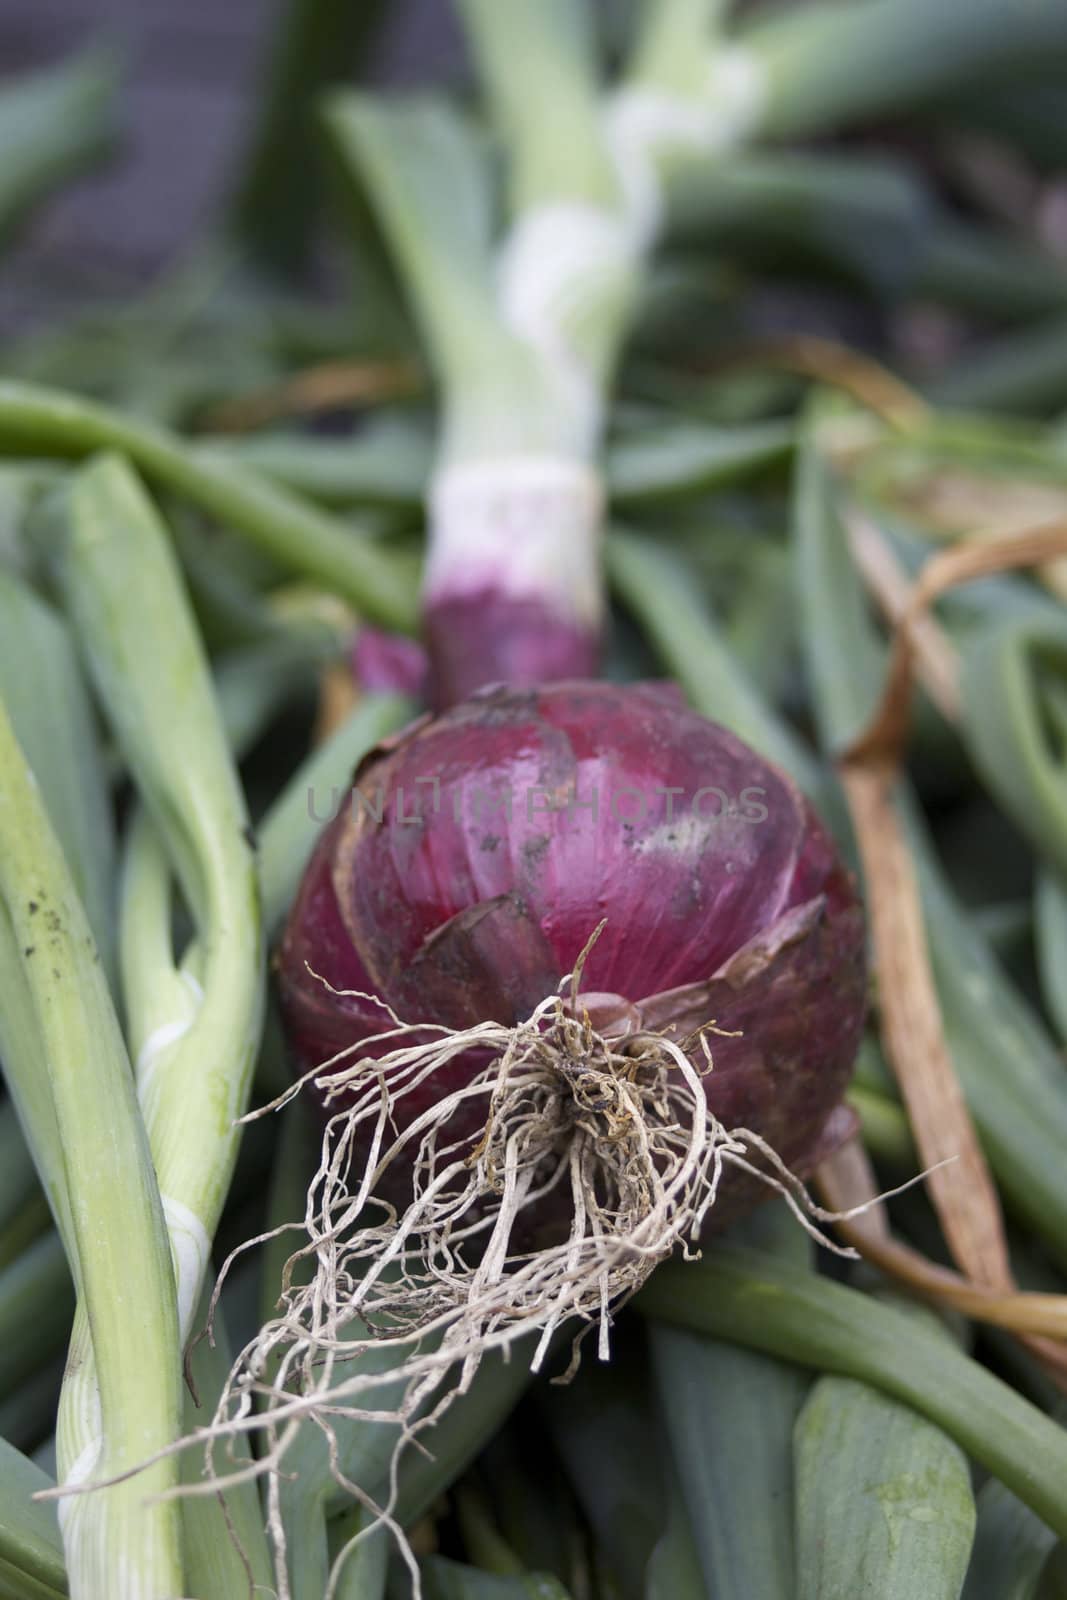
(42, 686)
(884, 1501)
(30, 1544)
(1011, 1547)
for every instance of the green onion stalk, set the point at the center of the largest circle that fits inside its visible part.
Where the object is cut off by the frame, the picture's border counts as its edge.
(824, 66)
(880, 1490)
(23, 1209)
(1014, 724)
(729, 1414)
(193, 1019)
(44, 692)
(31, 1551)
(277, 189)
(870, 219)
(68, 1069)
(751, 1298)
(192, 1023)
(40, 421)
(523, 330)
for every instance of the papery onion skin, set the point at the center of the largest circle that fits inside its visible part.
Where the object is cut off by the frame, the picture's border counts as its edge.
(424, 893)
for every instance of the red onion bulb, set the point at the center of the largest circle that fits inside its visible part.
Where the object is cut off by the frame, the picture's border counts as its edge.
(478, 851)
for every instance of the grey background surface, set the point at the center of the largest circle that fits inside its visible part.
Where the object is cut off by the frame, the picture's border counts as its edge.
(191, 67)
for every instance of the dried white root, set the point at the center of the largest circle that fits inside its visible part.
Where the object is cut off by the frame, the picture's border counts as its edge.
(610, 1132)
(385, 1315)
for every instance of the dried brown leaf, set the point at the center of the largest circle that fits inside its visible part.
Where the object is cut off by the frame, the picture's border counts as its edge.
(973, 558)
(836, 365)
(325, 387)
(954, 500)
(961, 1188)
(936, 663)
(339, 696)
(963, 1191)
(846, 1181)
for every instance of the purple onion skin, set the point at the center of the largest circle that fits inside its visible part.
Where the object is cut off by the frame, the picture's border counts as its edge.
(456, 915)
(480, 638)
(387, 663)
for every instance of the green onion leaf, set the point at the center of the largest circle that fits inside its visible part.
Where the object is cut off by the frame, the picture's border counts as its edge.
(42, 421)
(884, 1499)
(764, 1303)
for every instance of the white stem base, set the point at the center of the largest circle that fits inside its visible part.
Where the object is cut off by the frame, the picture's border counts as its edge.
(524, 526)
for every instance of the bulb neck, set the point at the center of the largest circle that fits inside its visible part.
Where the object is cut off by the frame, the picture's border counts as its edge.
(513, 591)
